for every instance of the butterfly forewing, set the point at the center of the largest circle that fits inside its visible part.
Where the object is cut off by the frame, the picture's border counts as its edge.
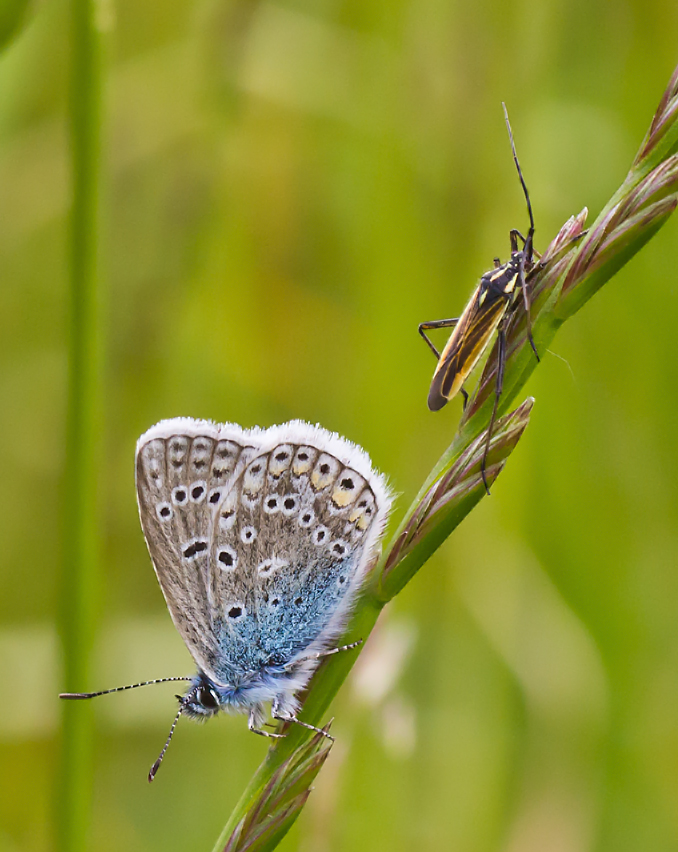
(176, 481)
(266, 541)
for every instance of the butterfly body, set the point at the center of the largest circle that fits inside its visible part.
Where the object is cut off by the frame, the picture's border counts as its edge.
(261, 541)
(205, 698)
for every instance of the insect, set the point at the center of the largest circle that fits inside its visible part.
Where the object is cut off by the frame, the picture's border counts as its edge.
(261, 540)
(489, 310)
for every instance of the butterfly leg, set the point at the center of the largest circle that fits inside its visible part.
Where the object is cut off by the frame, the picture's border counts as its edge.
(427, 326)
(290, 717)
(252, 725)
(329, 653)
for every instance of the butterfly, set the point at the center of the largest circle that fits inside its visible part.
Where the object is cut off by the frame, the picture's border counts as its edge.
(261, 540)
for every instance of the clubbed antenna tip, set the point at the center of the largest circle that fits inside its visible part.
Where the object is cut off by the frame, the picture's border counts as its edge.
(156, 765)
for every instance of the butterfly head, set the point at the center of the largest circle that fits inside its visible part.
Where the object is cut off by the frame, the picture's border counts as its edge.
(202, 700)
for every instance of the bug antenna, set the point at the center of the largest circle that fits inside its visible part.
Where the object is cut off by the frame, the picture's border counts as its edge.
(73, 696)
(520, 174)
(156, 765)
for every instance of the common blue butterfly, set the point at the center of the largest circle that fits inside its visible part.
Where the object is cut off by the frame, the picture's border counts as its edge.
(261, 540)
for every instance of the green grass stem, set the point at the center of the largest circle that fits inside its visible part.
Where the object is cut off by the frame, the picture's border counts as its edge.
(574, 266)
(78, 585)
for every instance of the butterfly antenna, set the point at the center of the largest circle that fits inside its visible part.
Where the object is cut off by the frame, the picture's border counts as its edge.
(520, 174)
(74, 696)
(156, 765)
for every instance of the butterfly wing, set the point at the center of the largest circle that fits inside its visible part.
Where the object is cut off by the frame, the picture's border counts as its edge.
(300, 525)
(260, 538)
(182, 468)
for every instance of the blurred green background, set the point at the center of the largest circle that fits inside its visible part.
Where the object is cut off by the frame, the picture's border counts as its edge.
(289, 188)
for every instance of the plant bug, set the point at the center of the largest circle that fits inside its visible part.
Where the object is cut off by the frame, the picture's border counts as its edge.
(489, 309)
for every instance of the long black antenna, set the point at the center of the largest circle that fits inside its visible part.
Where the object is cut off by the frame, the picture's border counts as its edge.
(520, 174)
(73, 696)
(156, 765)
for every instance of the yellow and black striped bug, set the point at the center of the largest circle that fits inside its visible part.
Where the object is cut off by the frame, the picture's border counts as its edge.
(488, 310)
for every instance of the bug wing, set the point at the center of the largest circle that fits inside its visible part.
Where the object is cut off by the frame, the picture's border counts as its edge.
(300, 526)
(466, 344)
(180, 465)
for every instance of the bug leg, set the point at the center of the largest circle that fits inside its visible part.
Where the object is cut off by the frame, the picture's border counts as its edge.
(281, 717)
(514, 243)
(526, 303)
(252, 725)
(498, 387)
(514, 233)
(427, 326)
(465, 395)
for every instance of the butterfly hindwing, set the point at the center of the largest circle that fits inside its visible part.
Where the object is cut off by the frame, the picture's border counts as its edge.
(267, 539)
(295, 529)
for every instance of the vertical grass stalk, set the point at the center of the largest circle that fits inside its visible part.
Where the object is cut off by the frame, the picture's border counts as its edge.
(79, 556)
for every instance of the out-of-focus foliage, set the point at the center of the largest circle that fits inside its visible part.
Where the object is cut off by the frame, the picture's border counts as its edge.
(290, 188)
(12, 16)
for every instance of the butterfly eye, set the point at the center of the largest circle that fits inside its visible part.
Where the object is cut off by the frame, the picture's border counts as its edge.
(207, 698)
